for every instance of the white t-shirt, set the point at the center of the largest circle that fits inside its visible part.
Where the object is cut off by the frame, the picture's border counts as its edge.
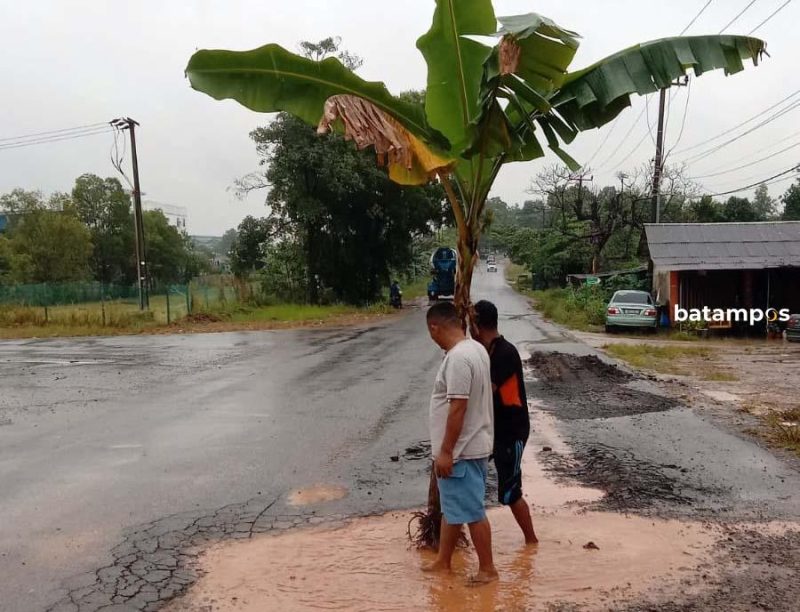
(464, 374)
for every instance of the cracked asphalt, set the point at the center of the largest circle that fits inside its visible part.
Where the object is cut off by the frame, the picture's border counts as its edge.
(121, 458)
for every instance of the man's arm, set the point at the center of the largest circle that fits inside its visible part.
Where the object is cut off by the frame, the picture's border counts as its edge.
(455, 422)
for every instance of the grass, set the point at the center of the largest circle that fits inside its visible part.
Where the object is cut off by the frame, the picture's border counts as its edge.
(125, 318)
(662, 359)
(784, 429)
(556, 305)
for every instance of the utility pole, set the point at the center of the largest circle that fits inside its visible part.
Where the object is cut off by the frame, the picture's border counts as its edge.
(658, 165)
(126, 123)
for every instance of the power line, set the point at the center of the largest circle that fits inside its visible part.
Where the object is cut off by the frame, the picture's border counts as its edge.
(639, 118)
(52, 132)
(735, 19)
(752, 163)
(695, 18)
(766, 181)
(778, 115)
(603, 143)
(736, 127)
(761, 150)
(779, 9)
(39, 141)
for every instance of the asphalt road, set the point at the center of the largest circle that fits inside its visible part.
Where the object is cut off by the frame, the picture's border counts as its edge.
(112, 450)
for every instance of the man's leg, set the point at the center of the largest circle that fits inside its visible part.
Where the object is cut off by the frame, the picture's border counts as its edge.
(481, 534)
(447, 545)
(522, 514)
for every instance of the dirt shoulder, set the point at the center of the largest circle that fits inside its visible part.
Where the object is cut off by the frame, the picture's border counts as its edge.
(751, 383)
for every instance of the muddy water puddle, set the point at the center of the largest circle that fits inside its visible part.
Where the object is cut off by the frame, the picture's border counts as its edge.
(316, 494)
(368, 565)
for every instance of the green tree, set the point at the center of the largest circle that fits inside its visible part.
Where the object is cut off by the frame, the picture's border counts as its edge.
(170, 254)
(226, 242)
(248, 249)
(105, 208)
(741, 210)
(343, 211)
(485, 106)
(763, 204)
(707, 210)
(791, 203)
(49, 241)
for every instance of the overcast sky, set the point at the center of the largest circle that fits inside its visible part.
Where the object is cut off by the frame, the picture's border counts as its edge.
(67, 64)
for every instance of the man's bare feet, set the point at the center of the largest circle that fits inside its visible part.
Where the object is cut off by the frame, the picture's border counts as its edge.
(436, 566)
(484, 577)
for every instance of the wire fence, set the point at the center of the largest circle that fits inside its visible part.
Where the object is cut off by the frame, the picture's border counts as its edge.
(114, 305)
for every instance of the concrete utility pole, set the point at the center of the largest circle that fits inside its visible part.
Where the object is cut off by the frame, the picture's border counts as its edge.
(129, 124)
(658, 165)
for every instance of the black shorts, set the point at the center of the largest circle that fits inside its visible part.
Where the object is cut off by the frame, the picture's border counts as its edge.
(508, 461)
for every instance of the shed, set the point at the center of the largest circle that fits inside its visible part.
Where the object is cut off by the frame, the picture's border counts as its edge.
(726, 265)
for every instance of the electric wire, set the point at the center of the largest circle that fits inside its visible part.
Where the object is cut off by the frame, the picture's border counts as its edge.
(695, 18)
(779, 9)
(747, 165)
(756, 152)
(735, 19)
(737, 126)
(645, 109)
(695, 158)
(63, 131)
(53, 139)
(766, 181)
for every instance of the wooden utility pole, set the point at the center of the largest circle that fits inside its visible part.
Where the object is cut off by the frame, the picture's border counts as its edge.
(129, 124)
(658, 164)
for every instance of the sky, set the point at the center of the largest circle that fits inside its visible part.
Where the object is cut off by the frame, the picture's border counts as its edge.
(67, 64)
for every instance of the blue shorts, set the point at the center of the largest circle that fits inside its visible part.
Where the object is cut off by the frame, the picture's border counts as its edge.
(462, 494)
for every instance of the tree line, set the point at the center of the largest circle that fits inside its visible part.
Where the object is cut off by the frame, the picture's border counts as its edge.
(572, 226)
(88, 235)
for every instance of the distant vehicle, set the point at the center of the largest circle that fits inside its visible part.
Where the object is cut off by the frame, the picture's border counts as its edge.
(491, 267)
(443, 274)
(793, 328)
(629, 308)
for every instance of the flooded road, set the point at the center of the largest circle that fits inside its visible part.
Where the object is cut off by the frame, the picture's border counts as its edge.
(131, 466)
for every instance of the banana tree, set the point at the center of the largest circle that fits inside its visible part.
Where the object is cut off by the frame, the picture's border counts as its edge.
(496, 94)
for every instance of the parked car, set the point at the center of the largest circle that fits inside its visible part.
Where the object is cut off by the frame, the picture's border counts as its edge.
(629, 308)
(793, 328)
(492, 267)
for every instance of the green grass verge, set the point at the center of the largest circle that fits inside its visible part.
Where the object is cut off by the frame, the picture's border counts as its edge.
(662, 359)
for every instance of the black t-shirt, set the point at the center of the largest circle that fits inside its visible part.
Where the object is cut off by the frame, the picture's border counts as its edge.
(511, 421)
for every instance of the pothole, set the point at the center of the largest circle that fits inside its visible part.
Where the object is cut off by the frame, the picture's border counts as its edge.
(316, 495)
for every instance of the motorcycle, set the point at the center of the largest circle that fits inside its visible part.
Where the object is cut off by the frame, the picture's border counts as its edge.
(396, 298)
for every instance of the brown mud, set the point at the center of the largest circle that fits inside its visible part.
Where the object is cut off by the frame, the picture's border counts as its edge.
(368, 563)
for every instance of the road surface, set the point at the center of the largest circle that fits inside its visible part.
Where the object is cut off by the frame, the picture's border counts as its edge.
(119, 455)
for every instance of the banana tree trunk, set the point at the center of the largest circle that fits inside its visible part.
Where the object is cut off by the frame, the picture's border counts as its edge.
(468, 234)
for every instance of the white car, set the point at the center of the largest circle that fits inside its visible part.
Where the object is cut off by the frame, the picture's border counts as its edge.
(492, 267)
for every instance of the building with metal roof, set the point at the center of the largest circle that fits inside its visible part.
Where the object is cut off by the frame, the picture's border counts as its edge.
(726, 265)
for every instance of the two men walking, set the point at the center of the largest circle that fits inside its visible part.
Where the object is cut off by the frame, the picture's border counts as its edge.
(477, 408)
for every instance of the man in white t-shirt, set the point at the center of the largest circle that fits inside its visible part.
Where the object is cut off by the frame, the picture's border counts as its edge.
(462, 434)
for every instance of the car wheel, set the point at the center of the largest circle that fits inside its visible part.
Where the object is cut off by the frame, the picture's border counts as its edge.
(609, 329)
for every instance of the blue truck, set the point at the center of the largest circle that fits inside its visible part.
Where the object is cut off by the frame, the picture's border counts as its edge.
(443, 274)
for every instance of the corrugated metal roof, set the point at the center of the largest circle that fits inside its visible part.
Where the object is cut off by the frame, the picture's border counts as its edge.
(724, 246)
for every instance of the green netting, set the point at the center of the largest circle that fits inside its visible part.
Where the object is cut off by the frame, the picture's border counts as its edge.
(55, 294)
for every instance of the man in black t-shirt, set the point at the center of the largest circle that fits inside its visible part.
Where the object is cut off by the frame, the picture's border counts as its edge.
(511, 421)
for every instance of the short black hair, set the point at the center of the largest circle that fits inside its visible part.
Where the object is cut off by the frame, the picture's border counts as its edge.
(486, 315)
(443, 312)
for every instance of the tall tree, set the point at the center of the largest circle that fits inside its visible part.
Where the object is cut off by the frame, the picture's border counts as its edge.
(50, 242)
(483, 104)
(791, 203)
(763, 204)
(105, 208)
(248, 249)
(741, 210)
(170, 254)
